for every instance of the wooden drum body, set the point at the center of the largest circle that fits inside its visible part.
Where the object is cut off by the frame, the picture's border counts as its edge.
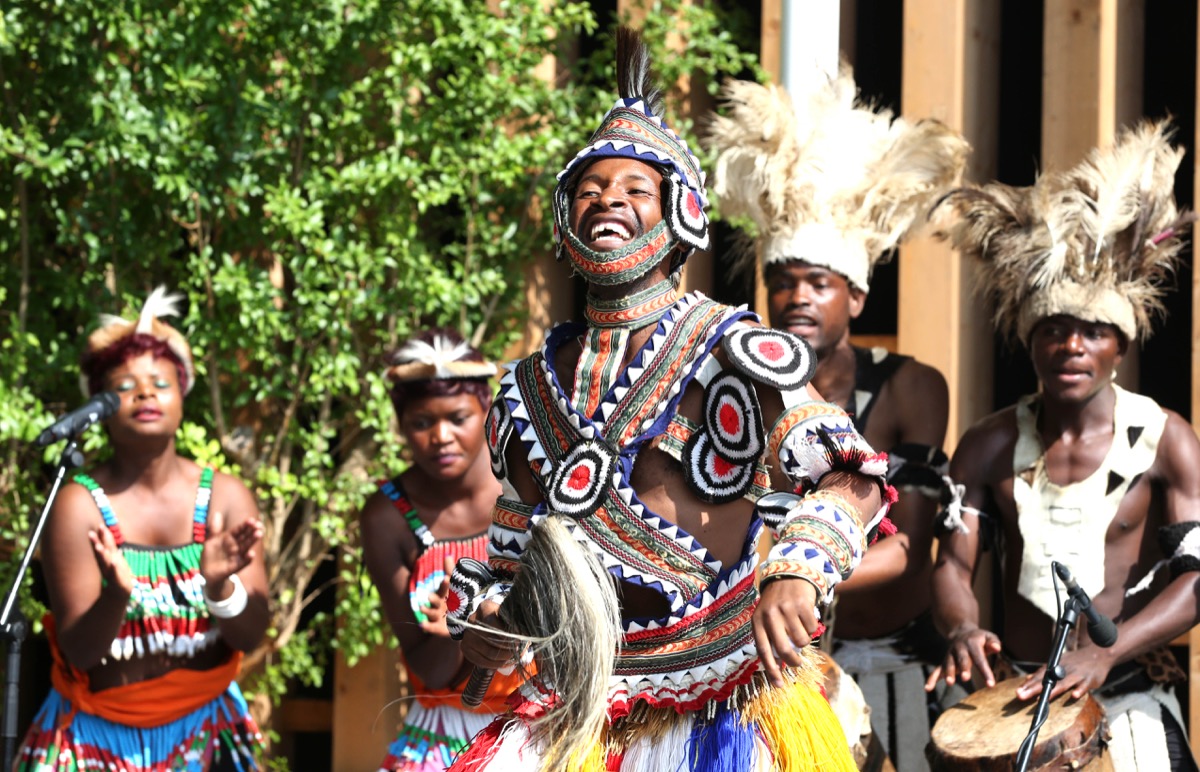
(985, 731)
(850, 707)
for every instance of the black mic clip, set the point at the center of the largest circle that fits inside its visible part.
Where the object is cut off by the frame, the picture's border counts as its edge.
(101, 406)
(1101, 629)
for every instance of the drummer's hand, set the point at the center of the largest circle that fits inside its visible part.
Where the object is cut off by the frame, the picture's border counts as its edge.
(483, 649)
(1086, 669)
(784, 623)
(969, 644)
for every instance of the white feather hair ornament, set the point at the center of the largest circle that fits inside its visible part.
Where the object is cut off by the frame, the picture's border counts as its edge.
(829, 181)
(114, 329)
(1097, 242)
(421, 361)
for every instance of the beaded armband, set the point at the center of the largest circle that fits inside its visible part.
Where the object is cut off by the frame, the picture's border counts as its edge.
(820, 538)
(467, 585)
(473, 582)
(1180, 542)
(920, 468)
(950, 516)
(813, 438)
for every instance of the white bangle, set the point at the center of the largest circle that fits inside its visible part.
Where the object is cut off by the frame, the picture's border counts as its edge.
(233, 605)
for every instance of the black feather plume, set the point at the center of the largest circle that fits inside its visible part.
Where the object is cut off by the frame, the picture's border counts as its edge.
(635, 79)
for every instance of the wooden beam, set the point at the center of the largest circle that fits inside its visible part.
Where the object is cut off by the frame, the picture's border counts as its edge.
(1092, 85)
(951, 72)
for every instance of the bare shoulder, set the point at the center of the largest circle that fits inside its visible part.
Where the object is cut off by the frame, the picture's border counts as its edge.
(920, 378)
(74, 507)
(377, 509)
(920, 401)
(385, 534)
(1179, 452)
(233, 498)
(990, 439)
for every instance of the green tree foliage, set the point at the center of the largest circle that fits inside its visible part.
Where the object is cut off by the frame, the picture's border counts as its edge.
(319, 178)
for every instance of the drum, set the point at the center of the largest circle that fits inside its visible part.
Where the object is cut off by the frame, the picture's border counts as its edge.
(854, 715)
(985, 731)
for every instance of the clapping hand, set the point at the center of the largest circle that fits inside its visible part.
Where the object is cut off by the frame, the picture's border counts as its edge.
(226, 552)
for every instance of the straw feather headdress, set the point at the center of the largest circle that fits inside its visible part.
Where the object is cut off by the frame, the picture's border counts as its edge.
(829, 181)
(440, 360)
(114, 329)
(1097, 242)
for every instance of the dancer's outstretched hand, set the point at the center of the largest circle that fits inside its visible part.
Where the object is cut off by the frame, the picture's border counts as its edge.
(784, 623)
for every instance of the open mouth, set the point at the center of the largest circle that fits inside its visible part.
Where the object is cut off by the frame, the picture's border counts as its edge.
(609, 234)
(800, 323)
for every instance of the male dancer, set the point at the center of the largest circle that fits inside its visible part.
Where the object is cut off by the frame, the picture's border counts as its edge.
(834, 187)
(631, 451)
(1101, 480)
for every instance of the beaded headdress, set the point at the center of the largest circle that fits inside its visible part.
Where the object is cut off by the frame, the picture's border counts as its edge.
(1097, 242)
(113, 330)
(635, 128)
(440, 360)
(827, 180)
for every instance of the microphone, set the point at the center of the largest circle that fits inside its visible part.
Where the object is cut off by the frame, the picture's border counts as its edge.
(1101, 629)
(97, 408)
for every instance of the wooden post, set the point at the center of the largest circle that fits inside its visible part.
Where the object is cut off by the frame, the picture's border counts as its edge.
(549, 289)
(1193, 681)
(770, 48)
(685, 100)
(951, 73)
(367, 711)
(1091, 87)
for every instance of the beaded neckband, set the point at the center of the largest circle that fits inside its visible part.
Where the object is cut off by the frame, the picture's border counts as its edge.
(632, 311)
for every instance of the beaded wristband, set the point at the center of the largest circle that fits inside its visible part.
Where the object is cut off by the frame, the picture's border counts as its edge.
(233, 605)
(821, 540)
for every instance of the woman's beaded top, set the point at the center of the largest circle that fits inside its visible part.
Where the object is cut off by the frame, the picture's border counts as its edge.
(166, 612)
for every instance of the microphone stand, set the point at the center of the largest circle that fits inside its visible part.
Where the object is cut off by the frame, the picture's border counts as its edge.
(13, 625)
(1054, 673)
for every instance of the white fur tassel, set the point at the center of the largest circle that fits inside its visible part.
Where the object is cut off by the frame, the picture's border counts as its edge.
(566, 603)
(159, 304)
(440, 354)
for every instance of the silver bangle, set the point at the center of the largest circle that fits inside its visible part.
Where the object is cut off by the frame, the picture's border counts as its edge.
(233, 605)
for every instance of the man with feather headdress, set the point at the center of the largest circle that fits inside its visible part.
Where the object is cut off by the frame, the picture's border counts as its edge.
(1101, 480)
(833, 187)
(632, 451)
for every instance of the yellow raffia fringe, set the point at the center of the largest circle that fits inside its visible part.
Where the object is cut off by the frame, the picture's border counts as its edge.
(795, 723)
(593, 761)
(799, 729)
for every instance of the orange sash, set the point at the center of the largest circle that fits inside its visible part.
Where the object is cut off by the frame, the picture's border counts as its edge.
(146, 704)
(495, 701)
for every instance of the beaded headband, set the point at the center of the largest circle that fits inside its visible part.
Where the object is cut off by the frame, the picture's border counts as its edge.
(441, 360)
(114, 329)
